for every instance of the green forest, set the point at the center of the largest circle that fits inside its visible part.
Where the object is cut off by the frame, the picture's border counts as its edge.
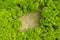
(49, 28)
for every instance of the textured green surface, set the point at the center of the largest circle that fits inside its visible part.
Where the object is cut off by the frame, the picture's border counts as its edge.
(49, 28)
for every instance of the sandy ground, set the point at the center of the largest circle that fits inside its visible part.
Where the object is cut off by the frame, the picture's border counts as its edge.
(29, 20)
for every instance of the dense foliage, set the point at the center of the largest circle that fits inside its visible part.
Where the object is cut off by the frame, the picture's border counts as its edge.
(49, 28)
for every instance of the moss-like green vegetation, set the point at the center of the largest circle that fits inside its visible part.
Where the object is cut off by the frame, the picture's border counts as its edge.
(49, 28)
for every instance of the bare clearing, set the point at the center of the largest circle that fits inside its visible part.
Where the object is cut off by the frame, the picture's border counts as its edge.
(29, 20)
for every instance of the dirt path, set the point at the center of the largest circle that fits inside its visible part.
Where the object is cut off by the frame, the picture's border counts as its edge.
(29, 20)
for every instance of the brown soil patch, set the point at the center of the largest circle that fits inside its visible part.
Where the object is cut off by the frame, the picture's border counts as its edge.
(29, 20)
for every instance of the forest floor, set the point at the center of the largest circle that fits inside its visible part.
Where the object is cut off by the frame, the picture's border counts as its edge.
(29, 20)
